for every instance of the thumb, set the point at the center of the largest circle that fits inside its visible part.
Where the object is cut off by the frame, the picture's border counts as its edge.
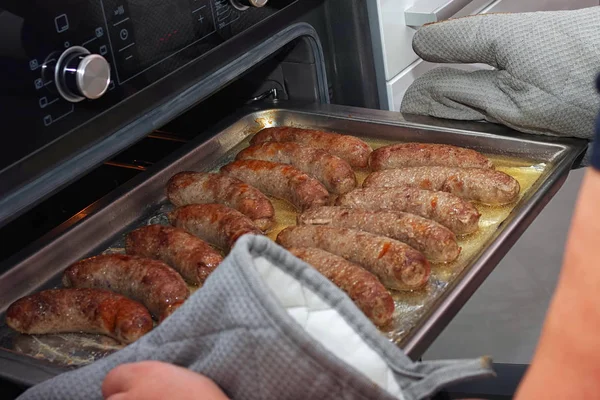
(468, 40)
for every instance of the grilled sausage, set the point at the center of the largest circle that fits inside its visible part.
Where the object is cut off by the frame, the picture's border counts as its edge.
(353, 150)
(219, 225)
(333, 172)
(484, 185)
(153, 283)
(365, 290)
(397, 265)
(193, 258)
(426, 154)
(80, 310)
(456, 214)
(187, 188)
(435, 241)
(281, 181)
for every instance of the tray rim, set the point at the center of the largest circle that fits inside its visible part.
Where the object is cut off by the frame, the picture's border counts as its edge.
(445, 307)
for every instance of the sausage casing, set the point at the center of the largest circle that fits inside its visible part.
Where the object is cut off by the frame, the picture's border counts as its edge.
(434, 240)
(219, 225)
(80, 310)
(365, 290)
(456, 214)
(483, 185)
(187, 188)
(349, 148)
(153, 283)
(281, 181)
(189, 255)
(333, 172)
(426, 154)
(397, 265)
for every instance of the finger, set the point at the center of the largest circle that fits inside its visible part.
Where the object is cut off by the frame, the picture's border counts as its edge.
(467, 40)
(121, 379)
(119, 396)
(153, 380)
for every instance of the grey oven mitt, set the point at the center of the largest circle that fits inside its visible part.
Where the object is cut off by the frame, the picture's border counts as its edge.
(268, 326)
(543, 82)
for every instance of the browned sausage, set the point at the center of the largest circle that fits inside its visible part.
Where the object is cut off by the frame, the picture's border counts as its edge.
(365, 290)
(187, 188)
(333, 172)
(349, 148)
(153, 283)
(426, 154)
(483, 185)
(219, 225)
(192, 257)
(281, 181)
(435, 241)
(456, 214)
(80, 310)
(397, 265)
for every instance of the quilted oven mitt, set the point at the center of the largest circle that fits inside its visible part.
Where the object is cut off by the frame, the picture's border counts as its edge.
(268, 326)
(543, 82)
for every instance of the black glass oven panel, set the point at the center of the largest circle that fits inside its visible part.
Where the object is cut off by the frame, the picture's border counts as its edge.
(143, 41)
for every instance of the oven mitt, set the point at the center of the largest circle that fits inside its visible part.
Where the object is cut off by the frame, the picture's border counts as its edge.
(268, 326)
(543, 82)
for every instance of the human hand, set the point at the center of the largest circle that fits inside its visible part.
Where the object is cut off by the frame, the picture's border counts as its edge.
(545, 66)
(568, 353)
(153, 380)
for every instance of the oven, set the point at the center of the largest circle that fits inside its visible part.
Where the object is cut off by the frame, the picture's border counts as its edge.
(394, 22)
(104, 100)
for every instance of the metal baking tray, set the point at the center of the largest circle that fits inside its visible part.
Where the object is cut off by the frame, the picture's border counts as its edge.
(101, 227)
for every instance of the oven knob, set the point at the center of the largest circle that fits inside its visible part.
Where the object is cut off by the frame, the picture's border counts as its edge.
(244, 4)
(80, 75)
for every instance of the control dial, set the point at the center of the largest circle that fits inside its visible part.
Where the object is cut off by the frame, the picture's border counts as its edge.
(79, 74)
(245, 4)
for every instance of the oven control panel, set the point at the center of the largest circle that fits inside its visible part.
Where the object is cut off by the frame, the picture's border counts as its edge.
(64, 62)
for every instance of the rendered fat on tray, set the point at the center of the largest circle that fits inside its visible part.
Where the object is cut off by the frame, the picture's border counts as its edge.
(392, 231)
